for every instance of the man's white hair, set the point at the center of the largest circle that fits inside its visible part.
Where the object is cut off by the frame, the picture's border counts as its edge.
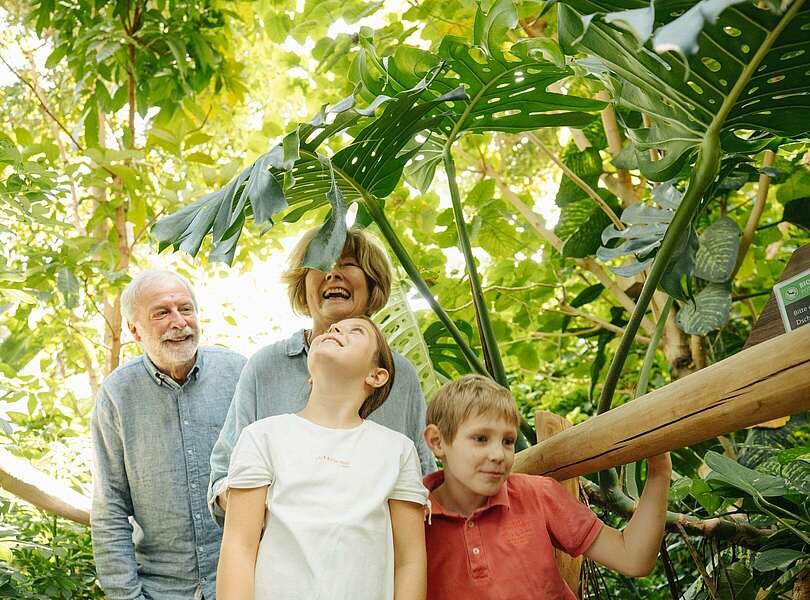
(129, 297)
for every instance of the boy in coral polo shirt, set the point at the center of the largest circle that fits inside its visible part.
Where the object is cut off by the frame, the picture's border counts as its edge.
(492, 534)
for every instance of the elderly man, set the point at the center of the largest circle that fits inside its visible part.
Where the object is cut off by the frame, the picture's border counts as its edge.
(154, 423)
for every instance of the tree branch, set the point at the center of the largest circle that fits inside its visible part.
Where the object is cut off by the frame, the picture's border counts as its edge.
(43, 105)
(574, 312)
(578, 181)
(756, 212)
(739, 534)
(587, 263)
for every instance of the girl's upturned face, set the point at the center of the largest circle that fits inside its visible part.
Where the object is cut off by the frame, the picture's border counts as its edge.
(337, 294)
(349, 345)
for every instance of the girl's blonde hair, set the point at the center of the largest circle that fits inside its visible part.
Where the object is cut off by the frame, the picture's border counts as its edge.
(384, 359)
(370, 255)
(470, 395)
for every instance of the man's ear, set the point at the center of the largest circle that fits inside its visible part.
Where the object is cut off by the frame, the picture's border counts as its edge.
(377, 377)
(133, 330)
(434, 440)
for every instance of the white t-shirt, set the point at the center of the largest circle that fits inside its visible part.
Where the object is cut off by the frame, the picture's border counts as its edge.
(327, 532)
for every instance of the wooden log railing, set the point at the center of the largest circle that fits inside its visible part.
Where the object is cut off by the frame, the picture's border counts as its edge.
(764, 382)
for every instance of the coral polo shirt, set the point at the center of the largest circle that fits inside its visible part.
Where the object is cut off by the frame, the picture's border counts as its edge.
(505, 549)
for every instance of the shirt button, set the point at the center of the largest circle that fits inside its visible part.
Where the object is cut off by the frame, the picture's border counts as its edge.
(197, 516)
(476, 551)
(191, 451)
(185, 421)
(194, 486)
(199, 548)
(470, 524)
(203, 580)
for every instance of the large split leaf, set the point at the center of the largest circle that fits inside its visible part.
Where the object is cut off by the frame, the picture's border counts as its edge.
(401, 329)
(746, 68)
(503, 94)
(294, 174)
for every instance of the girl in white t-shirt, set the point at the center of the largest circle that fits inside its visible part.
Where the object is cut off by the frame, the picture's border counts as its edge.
(324, 504)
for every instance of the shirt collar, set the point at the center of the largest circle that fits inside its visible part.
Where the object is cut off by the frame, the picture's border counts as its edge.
(296, 343)
(161, 378)
(434, 480)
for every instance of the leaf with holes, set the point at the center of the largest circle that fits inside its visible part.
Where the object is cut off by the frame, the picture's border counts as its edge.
(717, 251)
(748, 69)
(502, 95)
(707, 311)
(400, 327)
(294, 174)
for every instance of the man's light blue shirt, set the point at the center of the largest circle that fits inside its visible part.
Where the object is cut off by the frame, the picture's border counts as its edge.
(152, 439)
(275, 381)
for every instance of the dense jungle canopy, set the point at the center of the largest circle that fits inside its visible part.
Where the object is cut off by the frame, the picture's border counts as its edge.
(564, 185)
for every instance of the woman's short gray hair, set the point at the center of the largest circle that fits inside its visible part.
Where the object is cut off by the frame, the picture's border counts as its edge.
(129, 297)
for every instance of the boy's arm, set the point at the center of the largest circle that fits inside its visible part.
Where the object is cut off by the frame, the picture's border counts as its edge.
(634, 550)
(410, 563)
(240, 543)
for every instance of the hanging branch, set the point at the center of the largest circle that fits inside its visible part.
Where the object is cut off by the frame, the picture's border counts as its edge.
(715, 528)
(649, 356)
(624, 183)
(756, 212)
(578, 181)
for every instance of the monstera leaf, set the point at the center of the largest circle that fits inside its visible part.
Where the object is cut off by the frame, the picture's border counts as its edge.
(714, 68)
(508, 94)
(401, 329)
(296, 175)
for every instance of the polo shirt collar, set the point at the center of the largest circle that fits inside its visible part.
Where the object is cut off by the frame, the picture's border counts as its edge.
(296, 343)
(161, 378)
(435, 479)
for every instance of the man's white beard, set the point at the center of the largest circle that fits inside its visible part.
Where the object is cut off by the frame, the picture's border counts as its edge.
(178, 354)
(171, 354)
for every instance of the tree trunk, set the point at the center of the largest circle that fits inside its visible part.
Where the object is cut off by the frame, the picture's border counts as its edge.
(801, 589)
(674, 343)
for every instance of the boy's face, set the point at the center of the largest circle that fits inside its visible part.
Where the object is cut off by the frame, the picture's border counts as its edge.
(479, 459)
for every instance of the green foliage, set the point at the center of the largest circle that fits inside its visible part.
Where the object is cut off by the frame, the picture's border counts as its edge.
(44, 557)
(61, 257)
(689, 95)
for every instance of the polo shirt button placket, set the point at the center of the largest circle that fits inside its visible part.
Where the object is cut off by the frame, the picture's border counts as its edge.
(477, 563)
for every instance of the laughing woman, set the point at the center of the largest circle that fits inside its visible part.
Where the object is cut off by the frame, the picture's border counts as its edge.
(276, 379)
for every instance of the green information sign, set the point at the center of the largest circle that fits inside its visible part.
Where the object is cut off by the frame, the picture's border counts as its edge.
(793, 297)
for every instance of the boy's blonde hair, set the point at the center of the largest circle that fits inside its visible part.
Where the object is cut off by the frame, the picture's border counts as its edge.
(471, 395)
(370, 255)
(385, 360)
